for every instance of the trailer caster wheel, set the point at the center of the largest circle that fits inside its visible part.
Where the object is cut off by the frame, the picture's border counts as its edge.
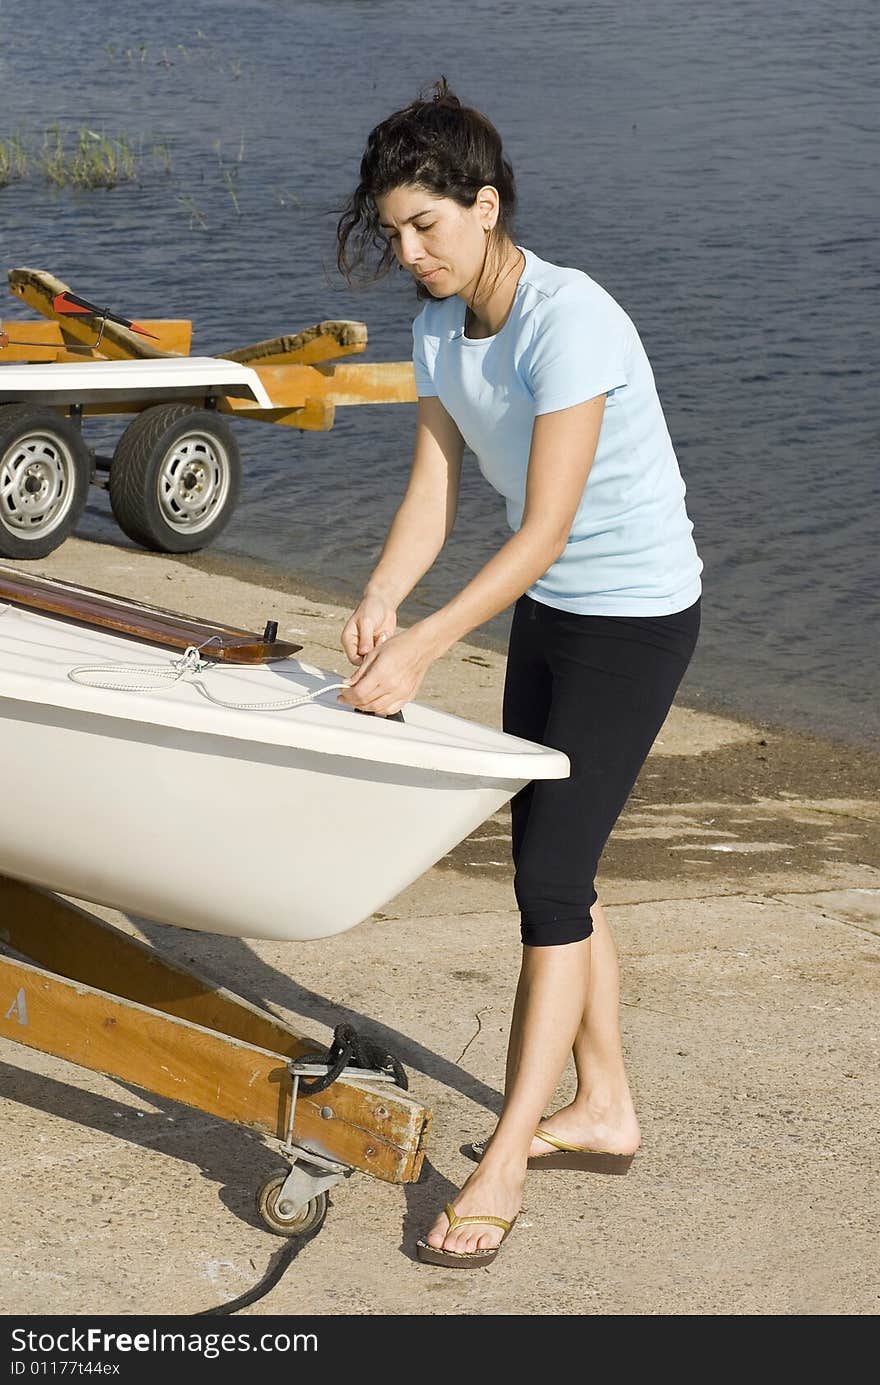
(175, 478)
(291, 1222)
(45, 473)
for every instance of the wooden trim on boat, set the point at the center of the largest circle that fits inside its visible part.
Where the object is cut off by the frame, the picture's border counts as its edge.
(152, 624)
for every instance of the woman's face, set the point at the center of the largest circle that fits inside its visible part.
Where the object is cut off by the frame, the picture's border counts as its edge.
(441, 243)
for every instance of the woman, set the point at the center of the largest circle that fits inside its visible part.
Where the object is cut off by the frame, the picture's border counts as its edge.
(542, 374)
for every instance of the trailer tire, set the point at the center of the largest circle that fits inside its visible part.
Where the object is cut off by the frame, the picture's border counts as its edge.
(175, 478)
(45, 473)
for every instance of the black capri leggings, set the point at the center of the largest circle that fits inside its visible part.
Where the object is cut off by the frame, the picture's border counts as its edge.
(598, 688)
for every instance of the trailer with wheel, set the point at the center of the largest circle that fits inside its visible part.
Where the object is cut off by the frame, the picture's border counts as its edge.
(174, 476)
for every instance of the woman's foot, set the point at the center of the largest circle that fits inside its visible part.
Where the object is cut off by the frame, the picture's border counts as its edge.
(606, 1130)
(609, 1130)
(486, 1193)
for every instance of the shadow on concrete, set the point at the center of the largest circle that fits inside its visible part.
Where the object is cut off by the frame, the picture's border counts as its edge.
(231, 963)
(221, 1151)
(424, 1201)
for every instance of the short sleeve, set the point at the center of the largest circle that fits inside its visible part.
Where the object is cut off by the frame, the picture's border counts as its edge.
(424, 383)
(578, 350)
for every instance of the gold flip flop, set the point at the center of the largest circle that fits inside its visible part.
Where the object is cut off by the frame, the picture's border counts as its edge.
(463, 1259)
(565, 1156)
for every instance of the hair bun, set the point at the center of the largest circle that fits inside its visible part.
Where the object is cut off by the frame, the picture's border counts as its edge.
(443, 95)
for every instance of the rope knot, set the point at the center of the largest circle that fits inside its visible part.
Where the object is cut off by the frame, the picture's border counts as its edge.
(349, 1046)
(189, 661)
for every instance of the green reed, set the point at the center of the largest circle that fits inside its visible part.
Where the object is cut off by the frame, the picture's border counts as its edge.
(86, 159)
(92, 160)
(13, 160)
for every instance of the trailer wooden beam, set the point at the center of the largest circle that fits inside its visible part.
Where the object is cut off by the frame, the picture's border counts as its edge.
(291, 386)
(44, 340)
(316, 416)
(323, 342)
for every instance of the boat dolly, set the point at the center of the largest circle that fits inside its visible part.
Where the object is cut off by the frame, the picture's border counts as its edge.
(99, 998)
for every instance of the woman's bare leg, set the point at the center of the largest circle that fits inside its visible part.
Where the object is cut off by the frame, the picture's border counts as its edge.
(601, 1115)
(551, 998)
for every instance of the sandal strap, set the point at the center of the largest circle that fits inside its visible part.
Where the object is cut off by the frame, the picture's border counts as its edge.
(559, 1144)
(455, 1220)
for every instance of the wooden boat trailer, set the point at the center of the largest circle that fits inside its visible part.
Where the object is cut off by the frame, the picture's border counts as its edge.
(98, 997)
(295, 368)
(175, 472)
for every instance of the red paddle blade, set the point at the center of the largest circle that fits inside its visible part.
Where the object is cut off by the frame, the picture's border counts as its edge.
(68, 303)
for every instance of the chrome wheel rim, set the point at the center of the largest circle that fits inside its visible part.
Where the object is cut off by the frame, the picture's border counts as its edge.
(37, 484)
(194, 482)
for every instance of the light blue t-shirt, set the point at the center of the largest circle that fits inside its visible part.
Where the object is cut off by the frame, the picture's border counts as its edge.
(630, 551)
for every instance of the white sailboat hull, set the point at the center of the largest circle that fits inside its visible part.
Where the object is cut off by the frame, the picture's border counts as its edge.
(283, 824)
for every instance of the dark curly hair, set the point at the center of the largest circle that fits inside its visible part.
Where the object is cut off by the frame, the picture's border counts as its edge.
(437, 144)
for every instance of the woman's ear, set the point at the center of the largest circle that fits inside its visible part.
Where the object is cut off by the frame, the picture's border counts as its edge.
(488, 205)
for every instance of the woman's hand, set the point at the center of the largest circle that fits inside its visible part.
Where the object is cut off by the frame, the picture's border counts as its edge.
(372, 623)
(391, 674)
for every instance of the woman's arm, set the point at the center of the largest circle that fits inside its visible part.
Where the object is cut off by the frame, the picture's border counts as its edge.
(561, 455)
(421, 525)
(425, 516)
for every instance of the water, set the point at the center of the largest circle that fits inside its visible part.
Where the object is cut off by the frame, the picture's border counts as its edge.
(712, 165)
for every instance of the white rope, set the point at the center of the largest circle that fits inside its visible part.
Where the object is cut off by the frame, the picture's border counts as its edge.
(124, 676)
(96, 676)
(270, 706)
